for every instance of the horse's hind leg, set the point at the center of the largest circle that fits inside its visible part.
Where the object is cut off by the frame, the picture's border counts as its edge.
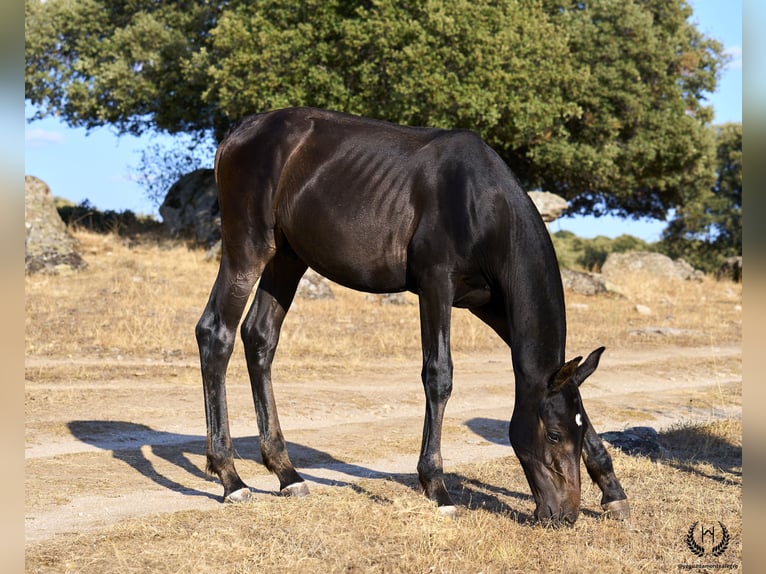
(216, 333)
(260, 334)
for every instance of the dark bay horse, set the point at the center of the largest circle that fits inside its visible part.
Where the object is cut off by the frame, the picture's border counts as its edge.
(384, 208)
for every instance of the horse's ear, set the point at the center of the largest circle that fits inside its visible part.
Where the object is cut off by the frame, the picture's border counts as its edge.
(589, 365)
(566, 372)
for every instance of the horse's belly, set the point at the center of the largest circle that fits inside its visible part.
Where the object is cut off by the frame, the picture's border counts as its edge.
(362, 250)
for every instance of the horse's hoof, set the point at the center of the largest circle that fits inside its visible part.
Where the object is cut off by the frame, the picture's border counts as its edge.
(617, 509)
(449, 510)
(241, 495)
(297, 489)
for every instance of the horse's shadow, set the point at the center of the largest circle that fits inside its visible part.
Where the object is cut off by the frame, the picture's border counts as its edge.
(491, 430)
(127, 442)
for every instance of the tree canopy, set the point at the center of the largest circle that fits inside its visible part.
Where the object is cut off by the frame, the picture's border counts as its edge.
(708, 228)
(599, 101)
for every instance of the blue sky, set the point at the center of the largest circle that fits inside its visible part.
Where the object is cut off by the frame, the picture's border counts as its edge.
(101, 167)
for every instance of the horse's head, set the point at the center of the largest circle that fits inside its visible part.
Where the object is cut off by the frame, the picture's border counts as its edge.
(548, 440)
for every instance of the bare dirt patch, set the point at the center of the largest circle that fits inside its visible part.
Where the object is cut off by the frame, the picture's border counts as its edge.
(102, 451)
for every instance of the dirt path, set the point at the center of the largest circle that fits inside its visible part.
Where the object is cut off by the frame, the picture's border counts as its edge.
(101, 450)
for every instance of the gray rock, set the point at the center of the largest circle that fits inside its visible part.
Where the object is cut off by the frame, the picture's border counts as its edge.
(636, 441)
(643, 309)
(583, 283)
(190, 208)
(48, 246)
(314, 286)
(550, 205)
(619, 264)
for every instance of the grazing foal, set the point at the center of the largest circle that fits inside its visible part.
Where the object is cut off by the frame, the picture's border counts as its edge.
(384, 208)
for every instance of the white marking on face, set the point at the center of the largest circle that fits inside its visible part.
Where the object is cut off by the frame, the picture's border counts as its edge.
(578, 419)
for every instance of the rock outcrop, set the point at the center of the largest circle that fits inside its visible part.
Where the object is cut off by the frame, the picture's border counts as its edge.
(584, 283)
(619, 264)
(48, 246)
(314, 286)
(642, 441)
(550, 205)
(190, 208)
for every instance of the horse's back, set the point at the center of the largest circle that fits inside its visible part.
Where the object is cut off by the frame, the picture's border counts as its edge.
(357, 198)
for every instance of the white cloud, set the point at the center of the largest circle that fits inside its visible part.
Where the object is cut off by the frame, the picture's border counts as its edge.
(40, 138)
(735, 53)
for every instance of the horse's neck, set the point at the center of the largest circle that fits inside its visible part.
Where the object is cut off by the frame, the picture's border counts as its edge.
(537, 319)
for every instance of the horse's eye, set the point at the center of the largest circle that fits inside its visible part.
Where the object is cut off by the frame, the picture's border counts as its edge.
(553, 436)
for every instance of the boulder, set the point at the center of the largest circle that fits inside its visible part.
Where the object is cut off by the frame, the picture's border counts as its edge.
(48, 245)
(314, 286)
(644, 441)
(190, 208)
(550, 205)
(657, 264)
(583, 283)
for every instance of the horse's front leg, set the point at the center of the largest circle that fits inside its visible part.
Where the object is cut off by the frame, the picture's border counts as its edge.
(435, 314)
(614, 501)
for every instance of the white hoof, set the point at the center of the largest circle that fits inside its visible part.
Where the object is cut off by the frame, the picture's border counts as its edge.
(297, 489)
(241, 495)
(449, 511)
(617, 509)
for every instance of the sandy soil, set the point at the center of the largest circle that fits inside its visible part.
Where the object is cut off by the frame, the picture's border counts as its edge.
(110, 440)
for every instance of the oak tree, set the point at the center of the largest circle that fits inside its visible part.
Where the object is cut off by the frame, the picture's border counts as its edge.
(601, 101)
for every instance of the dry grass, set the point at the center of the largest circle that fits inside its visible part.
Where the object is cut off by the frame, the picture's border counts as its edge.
(386, 526)
(144, 301)
(131, 315)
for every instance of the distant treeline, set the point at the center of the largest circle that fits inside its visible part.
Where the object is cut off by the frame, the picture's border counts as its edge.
(86, 216)
(589, 254)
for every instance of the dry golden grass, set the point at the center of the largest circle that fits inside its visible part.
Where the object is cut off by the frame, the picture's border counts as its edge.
(144, 301)
(386, 526)
(131, 316)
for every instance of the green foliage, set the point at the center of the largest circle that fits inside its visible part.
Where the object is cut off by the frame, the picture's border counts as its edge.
(708, 229)
(639, 145)
(119, 63)
(450, 63)
(578, 253)
(566, 253)
(600, 102)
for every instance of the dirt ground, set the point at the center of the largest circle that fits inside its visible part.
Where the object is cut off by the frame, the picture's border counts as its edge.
(108, 440)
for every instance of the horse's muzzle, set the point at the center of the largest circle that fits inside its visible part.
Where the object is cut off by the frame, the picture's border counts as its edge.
(549, 519)
(563, 514)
